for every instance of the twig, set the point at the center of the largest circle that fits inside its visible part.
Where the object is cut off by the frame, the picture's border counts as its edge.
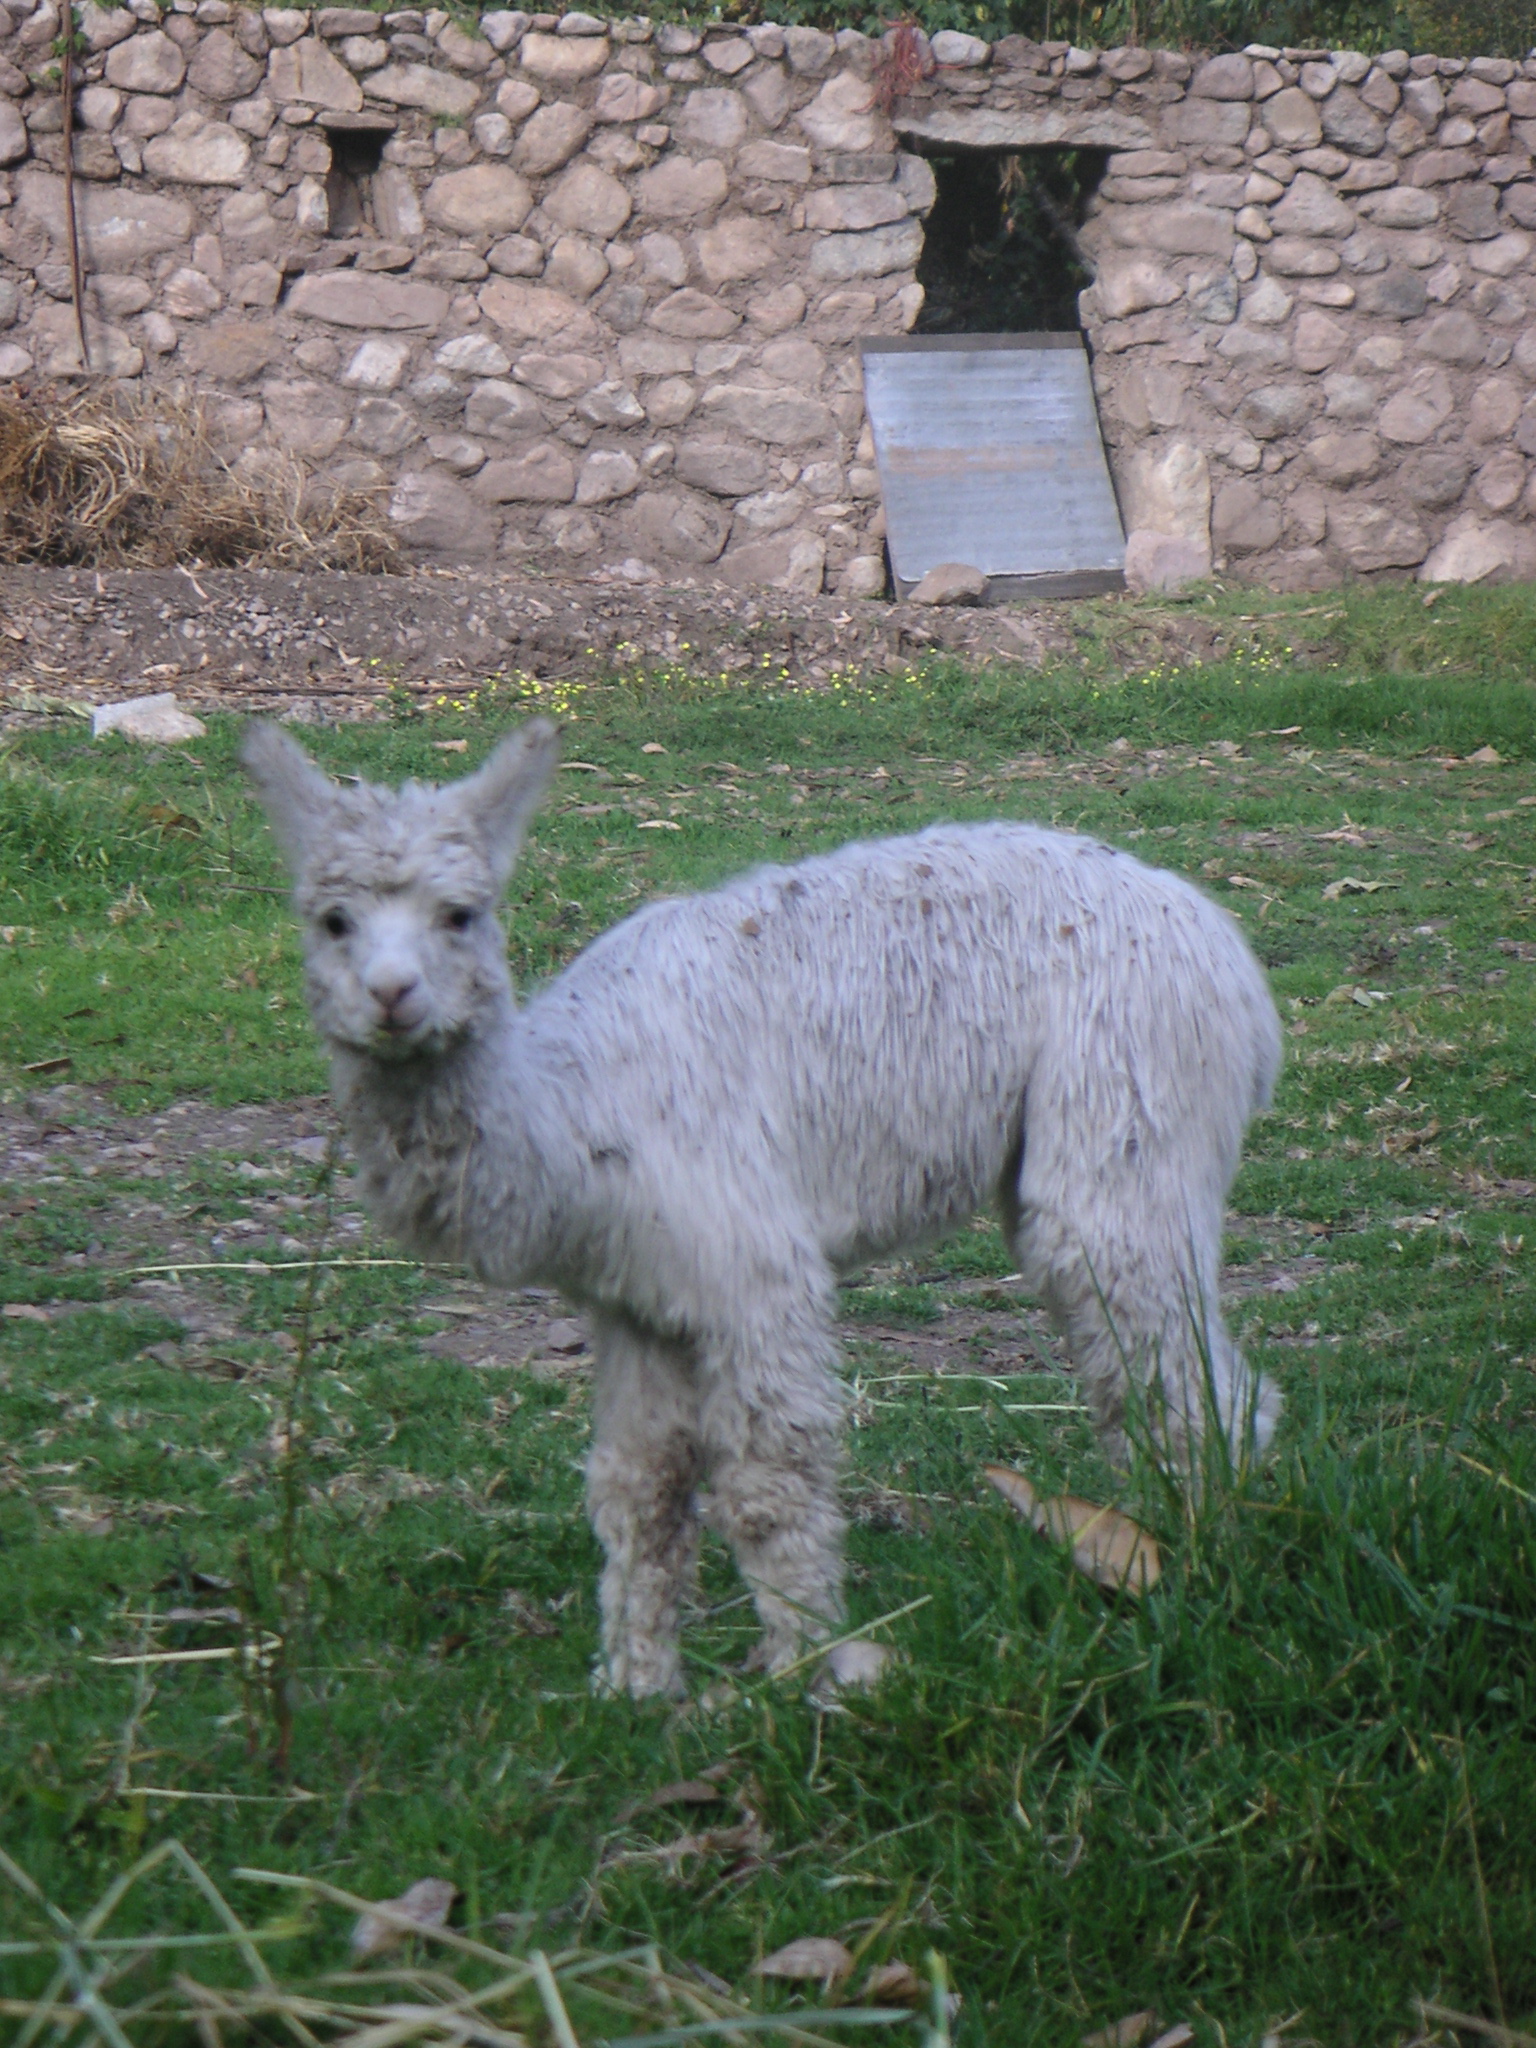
(854, 1635)
(1506, 2037)
(554, 2004)
(71, 221)
(260, 1265)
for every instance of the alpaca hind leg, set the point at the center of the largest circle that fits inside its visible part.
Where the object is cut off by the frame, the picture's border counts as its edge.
(1123, 1244)
(641, 1475)
(773, 1438)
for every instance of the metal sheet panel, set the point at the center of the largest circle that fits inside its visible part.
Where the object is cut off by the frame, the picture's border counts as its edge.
(989, 453)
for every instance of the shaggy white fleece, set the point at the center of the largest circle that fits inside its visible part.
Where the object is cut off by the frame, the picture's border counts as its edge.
(731, 1098)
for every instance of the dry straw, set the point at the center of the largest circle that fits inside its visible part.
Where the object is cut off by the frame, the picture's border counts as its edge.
(109, 479)
(525, 1998)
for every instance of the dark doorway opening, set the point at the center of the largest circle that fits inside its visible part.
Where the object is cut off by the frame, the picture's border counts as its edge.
(1000, 249)
(356, 153)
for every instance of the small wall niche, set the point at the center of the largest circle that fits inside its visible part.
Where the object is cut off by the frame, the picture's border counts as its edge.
(356, 154)
(1000, 249)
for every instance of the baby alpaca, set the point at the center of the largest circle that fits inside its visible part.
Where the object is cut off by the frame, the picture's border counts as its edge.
(729, 1099)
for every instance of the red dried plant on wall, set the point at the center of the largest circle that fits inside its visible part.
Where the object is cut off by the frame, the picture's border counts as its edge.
(905, 60)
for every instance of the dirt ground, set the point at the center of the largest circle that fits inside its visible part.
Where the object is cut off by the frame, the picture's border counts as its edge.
(169, 1179)
(333, 646)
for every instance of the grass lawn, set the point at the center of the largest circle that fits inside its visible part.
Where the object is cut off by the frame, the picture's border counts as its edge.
(1293, 1789)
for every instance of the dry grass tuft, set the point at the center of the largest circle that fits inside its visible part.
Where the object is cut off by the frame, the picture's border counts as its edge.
(99, 479)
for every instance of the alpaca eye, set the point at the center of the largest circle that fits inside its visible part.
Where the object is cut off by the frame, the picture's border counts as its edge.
(336, 923)
(460, 919)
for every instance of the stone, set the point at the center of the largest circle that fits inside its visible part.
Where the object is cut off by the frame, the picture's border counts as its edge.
(1434, 477)
(1292, 119)
(1364, 175)
(14, 362)
(844, 115)
(101, 27)
(1472, 553)
(118, 298)
(364, 53)
(419, 85)
(738, 246)
(683, 526)
(1372, 536)
(1393, 295)
(623, 97)
(1503, 255)
(864, 576)
(787, 419)
(191, 296)
(1443, 166)
(503, 412)
(1494, 409)
(773, 312)
(1228, 77)
(809, 51)
(285, 25)
(1165, 562)
(118, 228)
(145, 116)
(377, 365)
(155, 721)
(1312, 207)
(492, 133)
(335, 22)
(680, 188)
(693, 315)
(558, 376)
(1452, 337)
(843, 208)
(473, 355)
(607, 475)
(1317, 342)
(590, 201)
(780, 163)
(711, 118)
(384, 427)
(1501, 480)
(348, 298)
(876, 254)
(55, 339)
(1349, 124)
(1472, 212)
(1256, 347)
(1525, 432)
(531, 312)
(15, 143)
(433, 514)
(537, 473)
(1519, 205)
(465, 52)
(1212, 296)
(577, 267)
(1419, 409)
(949, 583)
(1401, 206)
(1128, 284)
(1243, 520)
(562, 60)
(1167, 490)
(309, 74)
(146, 63)
(232, 352)
(727, 469)
(1176, 228)
(221, 70)
(957, 51)
(1275, 410)
(516, 99)
(487, 199)
(1266, 305)
(551, 137)
(304, 417)
(253, 117)
(1344, 458)
(396, 208)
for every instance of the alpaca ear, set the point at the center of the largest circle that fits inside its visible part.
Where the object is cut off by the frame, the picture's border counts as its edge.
(295, 794)
(502, 796)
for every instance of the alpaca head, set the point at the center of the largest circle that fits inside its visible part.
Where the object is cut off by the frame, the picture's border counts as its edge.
(397, 889)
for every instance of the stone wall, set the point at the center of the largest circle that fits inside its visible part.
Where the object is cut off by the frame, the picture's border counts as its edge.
(588, 293)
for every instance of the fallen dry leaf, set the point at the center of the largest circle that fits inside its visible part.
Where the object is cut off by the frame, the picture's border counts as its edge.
(1351, 992)
(894, 1983)
(1351, 885)
(653, 747)
(1127, 2033)
(685, 1792)
(814, 1957)
(1486, 757)
(24, 1312)
(1107, 1546)
(451, 746)
(1176, 2037)
(425, 1904)
(657, 825)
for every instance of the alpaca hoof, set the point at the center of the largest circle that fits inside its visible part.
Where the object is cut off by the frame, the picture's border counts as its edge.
(637, 1681)
(853, 1667)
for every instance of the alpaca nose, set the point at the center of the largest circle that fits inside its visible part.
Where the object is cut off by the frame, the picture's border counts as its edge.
(390, 991)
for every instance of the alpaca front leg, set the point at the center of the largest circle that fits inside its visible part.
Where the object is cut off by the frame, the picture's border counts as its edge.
(775, 1455)
(641, 1475)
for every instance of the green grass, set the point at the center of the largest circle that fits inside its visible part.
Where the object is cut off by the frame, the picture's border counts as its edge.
(1298, 1778)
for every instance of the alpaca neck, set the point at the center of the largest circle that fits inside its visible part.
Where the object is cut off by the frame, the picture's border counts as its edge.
(446, 1148)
